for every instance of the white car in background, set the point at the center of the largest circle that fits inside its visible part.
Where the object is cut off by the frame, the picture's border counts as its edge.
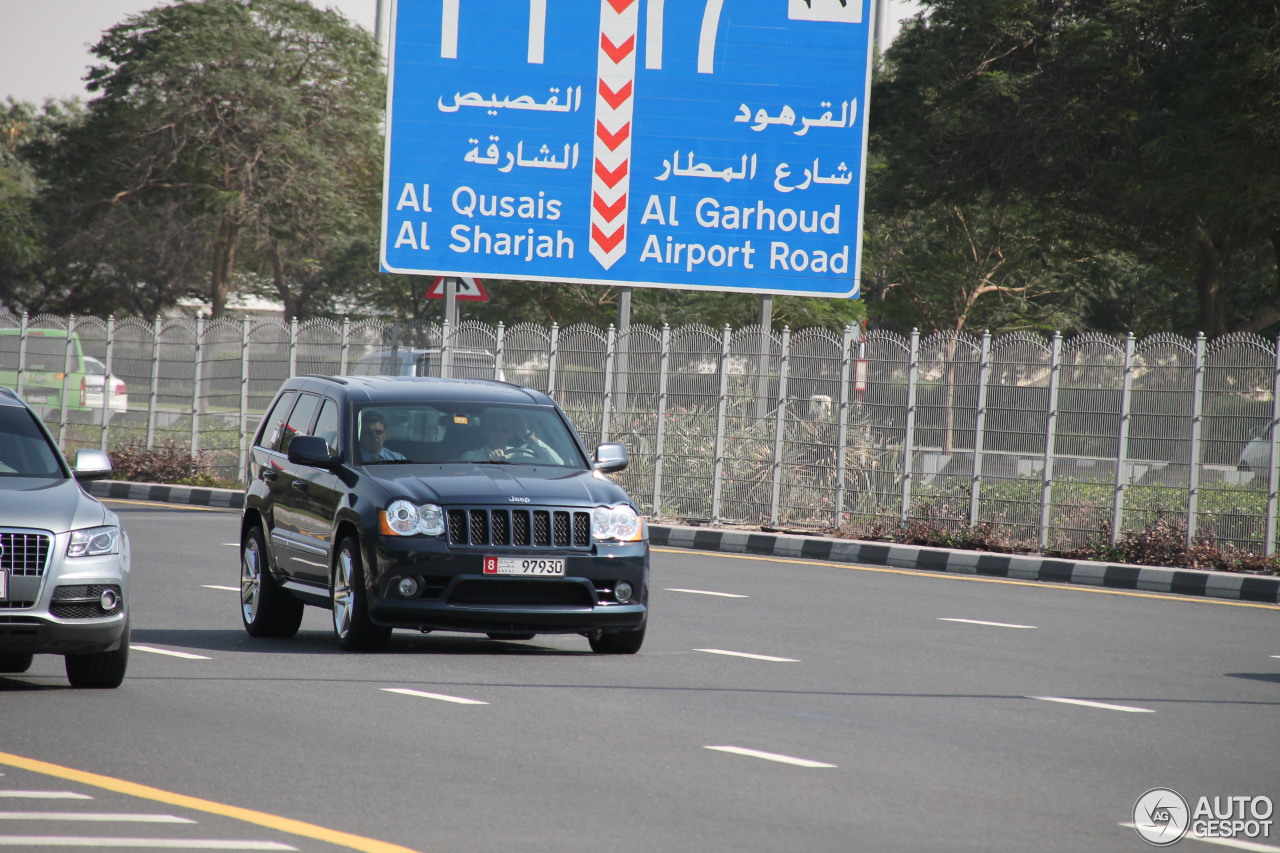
(95, 377)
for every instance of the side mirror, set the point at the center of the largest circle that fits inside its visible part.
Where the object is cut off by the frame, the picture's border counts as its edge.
(610, 457)
(311, 450)
(91, 464)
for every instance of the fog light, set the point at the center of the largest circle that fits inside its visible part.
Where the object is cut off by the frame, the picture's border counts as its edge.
(108, 600)
(408, 587)
(622, 591)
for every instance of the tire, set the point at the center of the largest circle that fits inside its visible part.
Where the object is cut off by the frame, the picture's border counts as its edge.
(618, 643)
(496, 635)
(352, 627)
(99, 670)
(265, 609)
(15, 662)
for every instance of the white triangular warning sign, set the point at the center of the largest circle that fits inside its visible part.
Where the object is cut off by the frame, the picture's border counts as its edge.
(469, 290)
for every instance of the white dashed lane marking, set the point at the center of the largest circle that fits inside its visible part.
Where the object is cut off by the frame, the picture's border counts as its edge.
(95, 816)
(770, 756)
(440, 696)
(30, 841)
(1105, 706)
(709, 592)
(225, 588)
(44, 795)
(155, 651)
(980, 622)
(746, 655)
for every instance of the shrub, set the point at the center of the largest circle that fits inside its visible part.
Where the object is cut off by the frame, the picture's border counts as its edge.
(164, 463)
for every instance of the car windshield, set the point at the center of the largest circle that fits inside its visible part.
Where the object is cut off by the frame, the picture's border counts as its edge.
(24, 450)
(476, 433)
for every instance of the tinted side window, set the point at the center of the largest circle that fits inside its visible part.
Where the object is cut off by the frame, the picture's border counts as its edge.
(24, 451)
(299, 421)
(327, 424)
(273, 423)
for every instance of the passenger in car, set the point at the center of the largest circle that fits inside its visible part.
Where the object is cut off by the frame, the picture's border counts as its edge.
(373, 436)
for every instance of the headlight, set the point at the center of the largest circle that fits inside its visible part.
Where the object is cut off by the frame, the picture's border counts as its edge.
(94, 541)
(616, 522)
(404, 518)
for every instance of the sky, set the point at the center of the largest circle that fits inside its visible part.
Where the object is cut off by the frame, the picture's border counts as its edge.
(44, 44)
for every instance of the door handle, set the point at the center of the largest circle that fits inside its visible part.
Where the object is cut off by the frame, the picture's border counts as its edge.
(269, 475)
(300, 485)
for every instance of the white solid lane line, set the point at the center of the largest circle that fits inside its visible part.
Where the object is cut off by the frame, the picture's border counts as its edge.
(1233, 843)
(770, 756)
(226, 588)
(708, 592)
(745, 655)
(1103, 705)
(442, 697)
(102, 816)
(29, 841)
(155, 651)
(45, 795)
(980, 622)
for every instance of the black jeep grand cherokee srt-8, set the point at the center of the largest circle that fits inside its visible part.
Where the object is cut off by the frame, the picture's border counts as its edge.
(437, 504)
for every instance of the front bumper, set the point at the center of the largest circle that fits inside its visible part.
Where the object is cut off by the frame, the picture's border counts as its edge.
(456, 595)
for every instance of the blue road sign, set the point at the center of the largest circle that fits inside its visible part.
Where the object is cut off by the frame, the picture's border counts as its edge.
(700, 144)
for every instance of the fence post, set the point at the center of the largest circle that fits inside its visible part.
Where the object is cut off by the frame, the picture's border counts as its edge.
(1197, 419)
(293, 347)
(244, 399)
(722, 413)
(1273, 459)
(611, 341)
(779, 426)
(842, 428)
(66, 377)
(984, 380)
(664, 358)
(344, 354)
(553, 358)
(156, 331)
(1122, 448)
(1050, 439)
(22, 354)
(195, 388)
(110, 367)
(909, 434)
(499, 350)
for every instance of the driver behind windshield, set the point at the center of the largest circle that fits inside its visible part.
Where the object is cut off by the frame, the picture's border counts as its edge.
(508, 439)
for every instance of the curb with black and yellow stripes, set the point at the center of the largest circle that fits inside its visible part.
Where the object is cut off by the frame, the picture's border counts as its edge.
(1226, 585)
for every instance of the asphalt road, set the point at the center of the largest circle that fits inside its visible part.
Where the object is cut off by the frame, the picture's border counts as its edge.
(778, 705)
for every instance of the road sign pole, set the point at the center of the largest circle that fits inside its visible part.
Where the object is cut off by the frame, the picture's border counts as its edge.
(450, 325)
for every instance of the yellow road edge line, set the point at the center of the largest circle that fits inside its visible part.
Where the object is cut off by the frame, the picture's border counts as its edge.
(169, 505)
(270, 821)
(954, 576)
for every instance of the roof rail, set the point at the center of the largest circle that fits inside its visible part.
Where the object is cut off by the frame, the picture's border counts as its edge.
(326, 377)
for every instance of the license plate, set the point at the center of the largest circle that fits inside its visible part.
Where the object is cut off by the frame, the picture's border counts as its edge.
(524, 566)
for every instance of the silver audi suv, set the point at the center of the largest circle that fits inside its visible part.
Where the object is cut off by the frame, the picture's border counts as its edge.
(64, 558)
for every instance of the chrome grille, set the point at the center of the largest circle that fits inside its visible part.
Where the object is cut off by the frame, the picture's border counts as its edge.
(520, 528)
(24, 554)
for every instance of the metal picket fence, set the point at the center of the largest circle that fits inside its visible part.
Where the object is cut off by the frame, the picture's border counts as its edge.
(1053, 442)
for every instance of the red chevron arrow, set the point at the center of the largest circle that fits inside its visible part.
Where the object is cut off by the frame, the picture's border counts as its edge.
(608, 211)
(608, 242)
(612, 140)
(620, 6)
(617, 52)
(611, 178)
(612, 98)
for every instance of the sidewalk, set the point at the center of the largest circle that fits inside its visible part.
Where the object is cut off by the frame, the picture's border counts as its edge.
(1225, 585)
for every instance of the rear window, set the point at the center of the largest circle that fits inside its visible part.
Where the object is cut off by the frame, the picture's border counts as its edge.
(45, 353)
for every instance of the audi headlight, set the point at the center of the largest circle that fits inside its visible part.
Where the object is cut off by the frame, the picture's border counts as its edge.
(404, 518)
(94, 541)
(616, 522)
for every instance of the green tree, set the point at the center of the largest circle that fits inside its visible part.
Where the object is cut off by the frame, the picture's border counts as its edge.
(1145, 128)
(225, 133)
